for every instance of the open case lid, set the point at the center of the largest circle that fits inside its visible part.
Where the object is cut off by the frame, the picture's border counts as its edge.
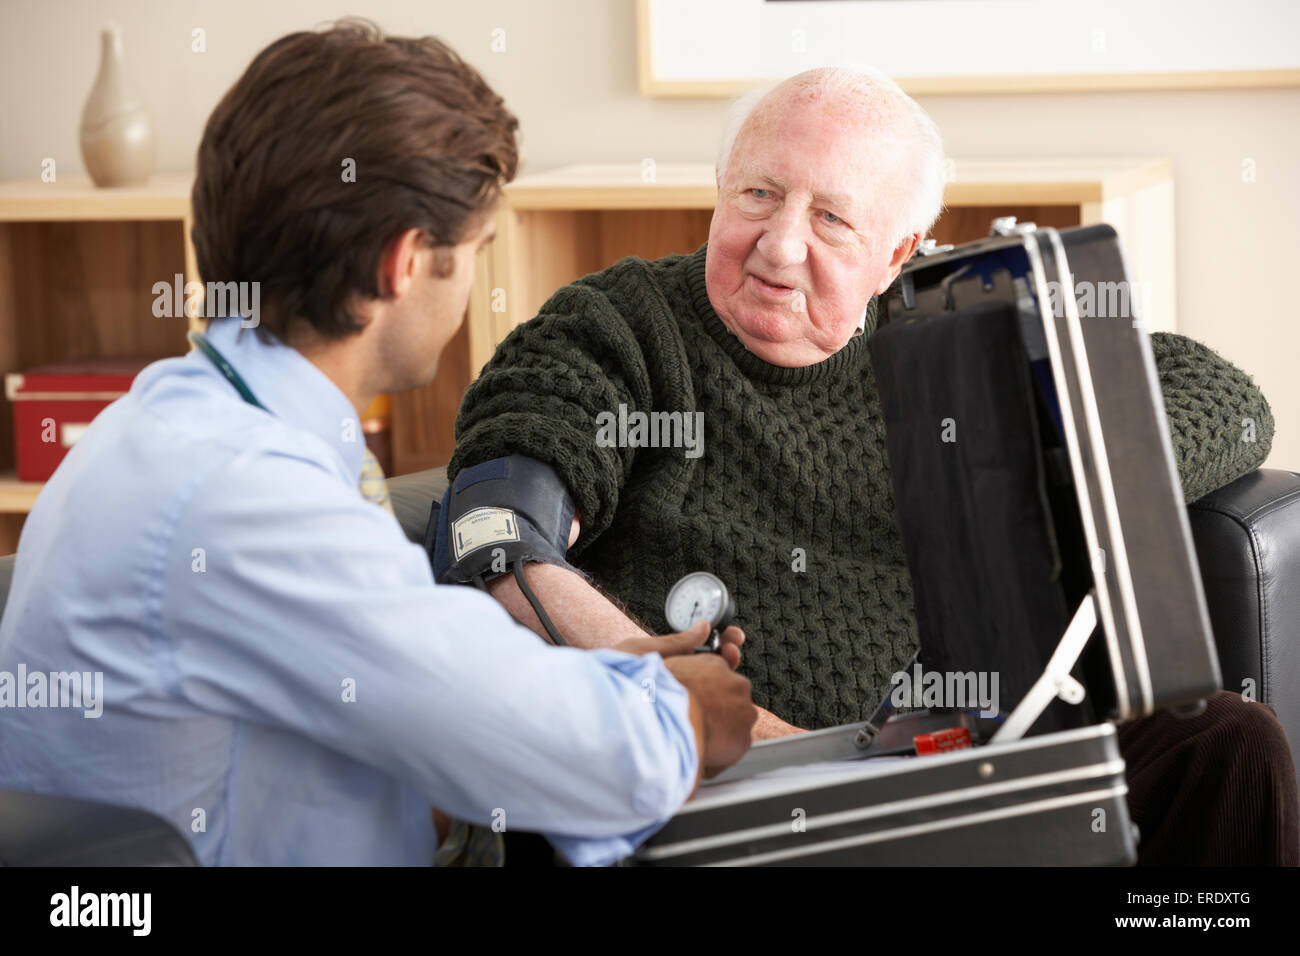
(1051, 518)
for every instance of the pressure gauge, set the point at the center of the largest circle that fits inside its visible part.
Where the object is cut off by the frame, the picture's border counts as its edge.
(698, 596)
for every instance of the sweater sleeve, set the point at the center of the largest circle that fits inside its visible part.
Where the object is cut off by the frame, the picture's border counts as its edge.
(1220, 423)
(544, 387)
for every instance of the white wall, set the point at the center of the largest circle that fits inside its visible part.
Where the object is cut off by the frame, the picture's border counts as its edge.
(569, 73)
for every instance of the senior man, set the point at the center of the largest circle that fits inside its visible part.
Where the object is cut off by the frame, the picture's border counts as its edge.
(825, 185)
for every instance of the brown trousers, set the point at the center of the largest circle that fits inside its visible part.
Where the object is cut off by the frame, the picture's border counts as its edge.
(1217, 789)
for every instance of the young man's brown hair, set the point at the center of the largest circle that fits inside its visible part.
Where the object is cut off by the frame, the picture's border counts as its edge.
(330, 144)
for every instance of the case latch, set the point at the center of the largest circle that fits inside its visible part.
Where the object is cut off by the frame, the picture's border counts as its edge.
(931, 247)
(1007, 226)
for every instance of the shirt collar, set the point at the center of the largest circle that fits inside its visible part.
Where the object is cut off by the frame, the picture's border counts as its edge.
(291, 388)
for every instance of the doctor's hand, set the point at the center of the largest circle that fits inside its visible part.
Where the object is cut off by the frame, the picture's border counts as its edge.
(768, 725)
(721, 708)
(685, 642)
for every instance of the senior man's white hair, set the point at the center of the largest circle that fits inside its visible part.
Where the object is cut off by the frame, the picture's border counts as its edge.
(920, 183)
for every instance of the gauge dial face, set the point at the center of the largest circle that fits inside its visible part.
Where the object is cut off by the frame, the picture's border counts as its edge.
(698, 595)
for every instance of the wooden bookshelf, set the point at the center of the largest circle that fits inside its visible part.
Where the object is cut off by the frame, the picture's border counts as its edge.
(559, 225)
(77, 270)
(17, 497)
(78, 264)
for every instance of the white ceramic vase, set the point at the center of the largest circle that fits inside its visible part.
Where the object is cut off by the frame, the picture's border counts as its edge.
(117, 138)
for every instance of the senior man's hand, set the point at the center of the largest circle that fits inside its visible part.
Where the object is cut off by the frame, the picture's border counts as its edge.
(769, 725)
(721, 709)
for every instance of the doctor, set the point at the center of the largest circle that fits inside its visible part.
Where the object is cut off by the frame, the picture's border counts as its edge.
(282, 679)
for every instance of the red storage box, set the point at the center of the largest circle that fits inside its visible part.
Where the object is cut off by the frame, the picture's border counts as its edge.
(53, 405)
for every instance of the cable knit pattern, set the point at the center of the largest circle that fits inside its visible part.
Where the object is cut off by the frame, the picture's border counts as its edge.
(792, 459)
(1221, 426)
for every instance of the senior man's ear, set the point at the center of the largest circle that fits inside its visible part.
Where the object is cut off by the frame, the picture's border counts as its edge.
(902, 253)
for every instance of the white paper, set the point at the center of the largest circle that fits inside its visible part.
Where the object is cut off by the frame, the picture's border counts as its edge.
(796, 778)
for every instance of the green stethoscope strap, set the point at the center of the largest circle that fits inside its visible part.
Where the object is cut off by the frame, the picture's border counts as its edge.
(200, 341)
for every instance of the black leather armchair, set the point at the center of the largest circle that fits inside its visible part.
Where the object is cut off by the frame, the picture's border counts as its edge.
(1247, 537)
(42, 830)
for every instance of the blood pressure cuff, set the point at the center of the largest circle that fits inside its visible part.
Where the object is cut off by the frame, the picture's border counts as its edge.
(498, 514)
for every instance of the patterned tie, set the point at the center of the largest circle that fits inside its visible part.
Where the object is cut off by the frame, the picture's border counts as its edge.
(466, 844)
(374, 487)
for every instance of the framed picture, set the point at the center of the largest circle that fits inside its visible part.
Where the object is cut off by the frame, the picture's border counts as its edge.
(719, 48)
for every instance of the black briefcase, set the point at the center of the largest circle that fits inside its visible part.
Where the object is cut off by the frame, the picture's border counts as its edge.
(1047, 542)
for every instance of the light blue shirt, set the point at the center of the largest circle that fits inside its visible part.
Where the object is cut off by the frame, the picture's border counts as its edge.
(282, 678)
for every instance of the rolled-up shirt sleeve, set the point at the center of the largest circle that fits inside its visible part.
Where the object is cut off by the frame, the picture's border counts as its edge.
(320, 618)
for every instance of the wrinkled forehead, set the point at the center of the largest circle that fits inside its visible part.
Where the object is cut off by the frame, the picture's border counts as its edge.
(835, 148)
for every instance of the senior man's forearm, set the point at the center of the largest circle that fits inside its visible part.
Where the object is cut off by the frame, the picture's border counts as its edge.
(588, 619)
(584, 617)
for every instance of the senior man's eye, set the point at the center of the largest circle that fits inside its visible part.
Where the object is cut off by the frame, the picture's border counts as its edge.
(833, 219)
(760, 193)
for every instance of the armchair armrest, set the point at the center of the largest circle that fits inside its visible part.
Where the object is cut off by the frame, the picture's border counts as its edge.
(412, 495)
(1247, 537)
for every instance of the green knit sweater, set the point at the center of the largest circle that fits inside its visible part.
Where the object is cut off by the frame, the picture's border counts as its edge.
(792, 458)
